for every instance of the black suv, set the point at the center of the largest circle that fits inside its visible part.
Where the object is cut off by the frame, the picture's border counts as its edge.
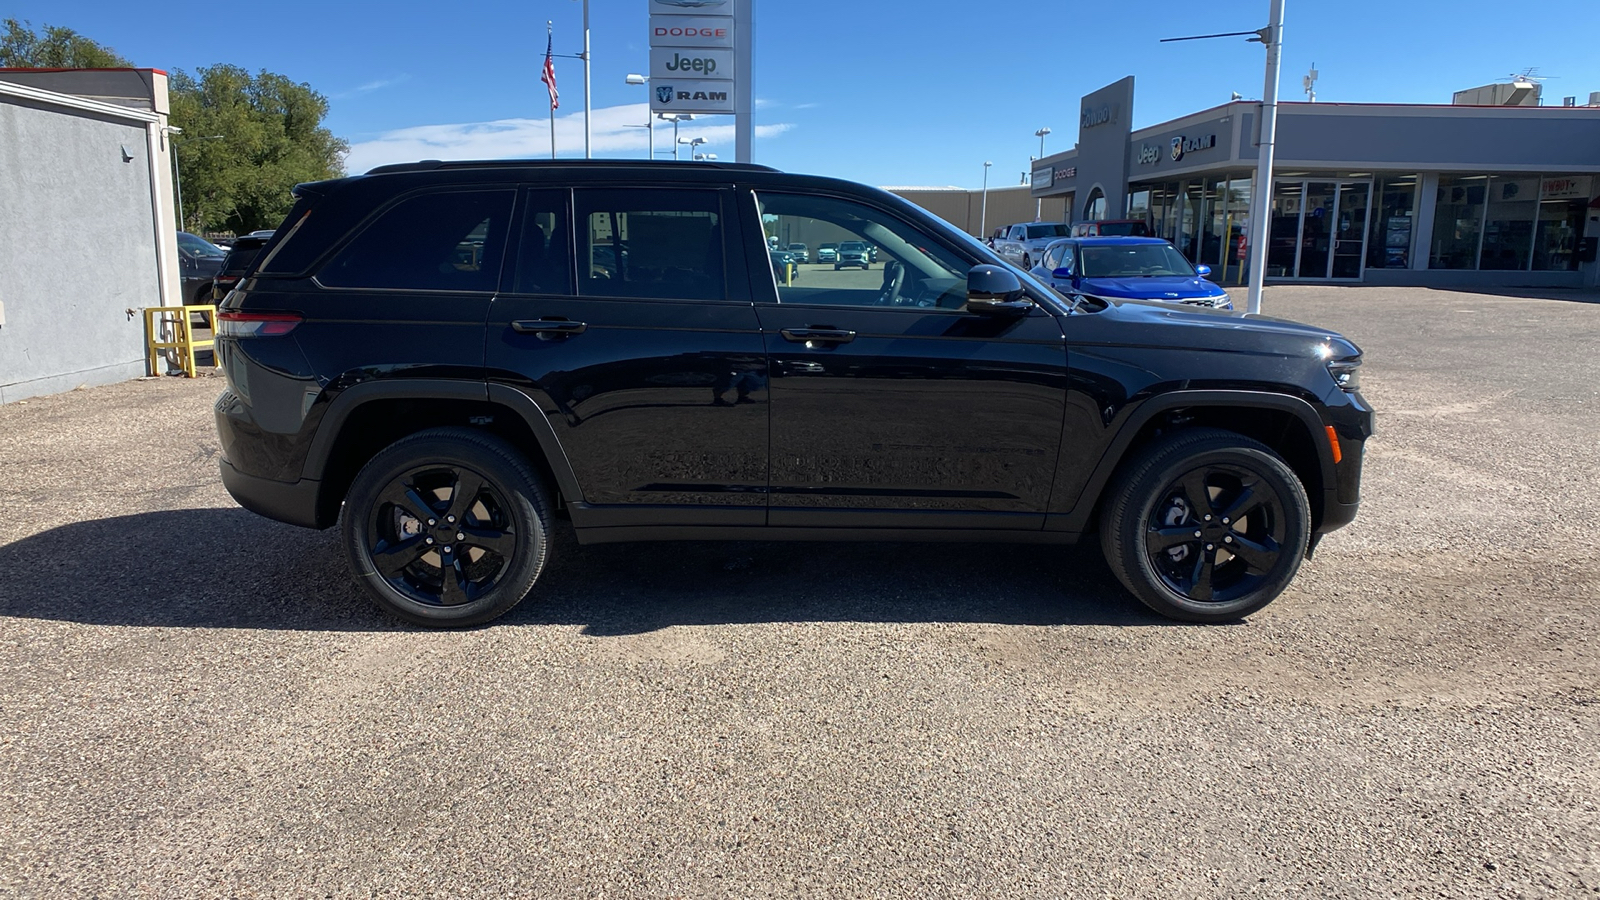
(445, 357)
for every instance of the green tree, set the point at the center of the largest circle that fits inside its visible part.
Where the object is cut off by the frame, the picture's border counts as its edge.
(269, 138)
(52, 47)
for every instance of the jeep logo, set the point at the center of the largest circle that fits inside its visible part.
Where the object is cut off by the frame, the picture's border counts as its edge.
(704, 64)
(1148, 154)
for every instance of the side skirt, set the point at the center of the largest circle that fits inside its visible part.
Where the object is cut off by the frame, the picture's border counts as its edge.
(734, 533)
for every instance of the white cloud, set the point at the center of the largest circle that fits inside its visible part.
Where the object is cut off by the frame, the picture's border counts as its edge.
(616, 129)
(371, 86)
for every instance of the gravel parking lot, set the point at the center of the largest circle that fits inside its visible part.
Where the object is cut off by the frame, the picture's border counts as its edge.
(195, 701)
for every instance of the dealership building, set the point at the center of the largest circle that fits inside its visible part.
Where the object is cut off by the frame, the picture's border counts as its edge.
(1378, 193)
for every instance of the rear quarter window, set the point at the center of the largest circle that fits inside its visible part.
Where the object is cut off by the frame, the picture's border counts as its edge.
(441, 241)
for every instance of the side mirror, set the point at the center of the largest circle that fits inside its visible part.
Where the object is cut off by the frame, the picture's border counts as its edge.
(1202, 271)
(1062, 273)
(995, 289)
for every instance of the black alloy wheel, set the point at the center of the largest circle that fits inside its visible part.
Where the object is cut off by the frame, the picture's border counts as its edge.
(447, 527)
(1206, 525)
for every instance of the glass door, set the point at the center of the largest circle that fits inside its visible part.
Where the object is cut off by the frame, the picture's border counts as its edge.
(1350, 230)
(1319, 229)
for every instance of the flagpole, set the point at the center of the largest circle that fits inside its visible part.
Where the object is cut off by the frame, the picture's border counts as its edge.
(549, 30)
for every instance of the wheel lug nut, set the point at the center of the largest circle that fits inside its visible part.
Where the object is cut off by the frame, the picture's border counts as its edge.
(460, 536)
(1208, 517)
(433, 521)
(1227, 540)
(428, 540)
(1224, 520)
(449, 518)
(447, 549)
(1197, 534)
(1208, 547)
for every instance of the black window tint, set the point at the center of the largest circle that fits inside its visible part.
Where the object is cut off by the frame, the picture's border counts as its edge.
(660, 244)
(544, 250)
(450, 241)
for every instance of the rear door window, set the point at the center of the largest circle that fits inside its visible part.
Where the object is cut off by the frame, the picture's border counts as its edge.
(443, 241)
(544, 250)
(651, 244)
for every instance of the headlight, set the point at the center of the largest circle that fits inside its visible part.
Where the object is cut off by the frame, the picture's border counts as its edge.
(1346, 372)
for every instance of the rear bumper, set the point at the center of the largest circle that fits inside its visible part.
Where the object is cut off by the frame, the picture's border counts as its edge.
(294, 502)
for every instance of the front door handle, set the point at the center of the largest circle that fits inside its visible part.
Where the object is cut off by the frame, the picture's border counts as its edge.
(820, 335)
(548, 327)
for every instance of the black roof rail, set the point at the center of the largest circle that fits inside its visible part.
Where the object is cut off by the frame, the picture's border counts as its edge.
(428, 165)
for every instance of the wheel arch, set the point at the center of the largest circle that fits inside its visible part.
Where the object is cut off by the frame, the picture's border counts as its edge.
(1289, 425)
(364, 419)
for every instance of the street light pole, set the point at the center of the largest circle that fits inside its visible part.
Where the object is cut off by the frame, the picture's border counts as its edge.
(587, 128)
(649, 120)
(177, 170)
(983, 210)
(694, 146)
(1261, 201)
(1038, 207)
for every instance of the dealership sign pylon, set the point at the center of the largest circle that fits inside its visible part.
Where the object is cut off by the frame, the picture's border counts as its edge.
(700, 62)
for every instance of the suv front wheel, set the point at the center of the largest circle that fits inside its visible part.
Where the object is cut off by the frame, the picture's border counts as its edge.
(447, 527)
(1206, 526)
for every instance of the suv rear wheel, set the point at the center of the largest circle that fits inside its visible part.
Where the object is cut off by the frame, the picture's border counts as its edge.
(447, 527)
(1206, 526)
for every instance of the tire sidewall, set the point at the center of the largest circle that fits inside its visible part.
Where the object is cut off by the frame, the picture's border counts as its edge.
(502, 470)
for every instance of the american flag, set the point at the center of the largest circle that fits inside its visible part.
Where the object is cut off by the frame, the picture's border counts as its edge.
(548, 76)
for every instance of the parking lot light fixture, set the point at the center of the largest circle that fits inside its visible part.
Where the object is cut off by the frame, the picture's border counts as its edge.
(649, 121)
(675, 118)
(694, 146)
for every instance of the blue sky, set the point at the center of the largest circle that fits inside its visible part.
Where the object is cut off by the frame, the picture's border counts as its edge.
(880, 91)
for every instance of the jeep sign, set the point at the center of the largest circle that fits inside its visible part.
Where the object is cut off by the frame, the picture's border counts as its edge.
(674, 62)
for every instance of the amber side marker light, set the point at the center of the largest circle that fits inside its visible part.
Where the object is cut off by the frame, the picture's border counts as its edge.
(1333, 441)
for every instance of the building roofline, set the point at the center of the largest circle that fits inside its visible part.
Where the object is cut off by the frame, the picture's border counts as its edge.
(91, 69)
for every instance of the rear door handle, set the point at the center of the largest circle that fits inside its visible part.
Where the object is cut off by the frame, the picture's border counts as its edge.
(548, 326)
(821, 335)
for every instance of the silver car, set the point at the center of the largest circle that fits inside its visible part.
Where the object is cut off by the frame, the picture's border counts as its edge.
(1024, 243)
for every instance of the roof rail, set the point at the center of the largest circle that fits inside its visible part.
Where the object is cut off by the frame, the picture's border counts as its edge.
(427, 165)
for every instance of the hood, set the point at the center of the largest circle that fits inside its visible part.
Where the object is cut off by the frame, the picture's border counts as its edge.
(1156, 287)
(1152, 323)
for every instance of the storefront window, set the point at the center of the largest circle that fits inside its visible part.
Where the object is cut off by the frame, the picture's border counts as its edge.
(1139, 204)
(1508, 227)
(1562, 200)
(1236, 225)
(1457, 221)
(1389, 247)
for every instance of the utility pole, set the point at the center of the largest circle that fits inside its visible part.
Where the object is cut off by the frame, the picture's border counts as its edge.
(588, 129)
(983, 211)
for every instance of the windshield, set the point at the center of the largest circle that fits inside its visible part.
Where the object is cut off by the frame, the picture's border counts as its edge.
(197, 246)
(1044, 231)
(852, 245)
(1134, 260)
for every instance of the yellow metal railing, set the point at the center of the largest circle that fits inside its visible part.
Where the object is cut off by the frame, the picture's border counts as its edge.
(158, 319)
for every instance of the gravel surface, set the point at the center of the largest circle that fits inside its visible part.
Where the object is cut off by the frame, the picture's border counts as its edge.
(195, 701)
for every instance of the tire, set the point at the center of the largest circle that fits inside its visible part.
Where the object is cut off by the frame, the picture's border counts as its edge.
(836, 267)
(396, 554)
(1155, 506)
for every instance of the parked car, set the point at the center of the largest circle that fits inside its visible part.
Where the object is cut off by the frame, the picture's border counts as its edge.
(1130, 227)
(1135, 268)
(1022, 243)
(199, 261)
(237, 263)
(445, 416)
(782, 259)
(828, 253)
(801, 252)
(853, 253)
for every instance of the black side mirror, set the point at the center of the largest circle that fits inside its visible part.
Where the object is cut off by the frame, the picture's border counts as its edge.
(995, 289)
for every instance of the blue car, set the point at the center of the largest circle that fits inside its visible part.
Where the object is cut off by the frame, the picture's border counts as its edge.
(1133, 268)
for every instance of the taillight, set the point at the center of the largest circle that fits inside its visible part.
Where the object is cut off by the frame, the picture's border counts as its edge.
(256, 324)
(226, 279)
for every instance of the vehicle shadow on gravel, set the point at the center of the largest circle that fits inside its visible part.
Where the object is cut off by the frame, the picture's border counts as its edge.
(228, 568)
